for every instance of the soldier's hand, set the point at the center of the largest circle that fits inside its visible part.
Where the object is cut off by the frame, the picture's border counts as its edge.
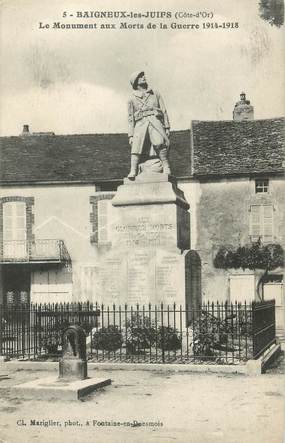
(131, 141)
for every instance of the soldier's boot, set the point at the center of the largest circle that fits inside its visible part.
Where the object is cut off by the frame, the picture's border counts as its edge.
(163, 155)
(134, 166)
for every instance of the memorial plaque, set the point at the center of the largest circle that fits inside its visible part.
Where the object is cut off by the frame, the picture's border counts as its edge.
(144, 275)
(150, 226)
(169, 277)
(140, 276)
(111, 279)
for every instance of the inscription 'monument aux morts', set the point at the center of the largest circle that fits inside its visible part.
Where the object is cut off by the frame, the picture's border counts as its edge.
(143, 233)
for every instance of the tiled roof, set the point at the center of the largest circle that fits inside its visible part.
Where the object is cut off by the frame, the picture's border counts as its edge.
(86, 158)
(221, 148)
(244, 147)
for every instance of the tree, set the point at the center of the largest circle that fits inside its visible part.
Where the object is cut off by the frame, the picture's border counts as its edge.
(272, 11)
(251, 256)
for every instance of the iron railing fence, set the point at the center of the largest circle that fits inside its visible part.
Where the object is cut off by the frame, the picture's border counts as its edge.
(217, 333)
(263, 326)
(32, 330)
(214, 333)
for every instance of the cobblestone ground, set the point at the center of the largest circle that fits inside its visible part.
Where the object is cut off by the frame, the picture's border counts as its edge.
(195, 408)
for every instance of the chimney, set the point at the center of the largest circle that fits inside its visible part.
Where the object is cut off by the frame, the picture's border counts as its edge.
(243, 110)
(26, 130)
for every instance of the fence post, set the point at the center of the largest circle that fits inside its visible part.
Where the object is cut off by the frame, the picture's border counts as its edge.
(38, 322)
(162, 334)
(1, 328)
(274, 316)
(23, 332)
(253, 329)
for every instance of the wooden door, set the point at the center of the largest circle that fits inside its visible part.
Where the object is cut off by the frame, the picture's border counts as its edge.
(242, 288)
(51, 286)
(274, 290)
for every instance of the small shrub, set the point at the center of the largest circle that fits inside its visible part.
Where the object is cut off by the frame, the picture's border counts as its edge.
(141, 334)
(108, 338)
(168, 339)
(51, 345)
(209, 335)
(51, 340)
(87, 326)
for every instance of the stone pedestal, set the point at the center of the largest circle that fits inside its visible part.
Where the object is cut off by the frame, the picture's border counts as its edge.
(149, 257)
(73, 364)
(72, 369)
(151, 212)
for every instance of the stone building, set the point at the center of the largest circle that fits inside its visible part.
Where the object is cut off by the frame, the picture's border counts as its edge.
(238, 173)
(56, 211)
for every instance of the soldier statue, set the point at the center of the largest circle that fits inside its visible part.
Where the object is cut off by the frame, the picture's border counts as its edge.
(148, 124)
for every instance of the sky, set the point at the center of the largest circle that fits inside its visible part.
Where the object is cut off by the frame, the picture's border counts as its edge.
(77, 81)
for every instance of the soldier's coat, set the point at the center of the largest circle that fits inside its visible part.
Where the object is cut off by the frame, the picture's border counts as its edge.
(154, 125)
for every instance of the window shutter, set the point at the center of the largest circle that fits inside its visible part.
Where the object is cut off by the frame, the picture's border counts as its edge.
(20, 220)
(109, 218)
(104, 220)
(267, 222)
(7, 221)
(261, 222)
(14, 229)
(255, 221)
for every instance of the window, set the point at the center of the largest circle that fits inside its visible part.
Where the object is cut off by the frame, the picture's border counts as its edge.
(261, 222)
(261, 186)
(101, 218)
(104, 215)
(14, 229)
(108, 186)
